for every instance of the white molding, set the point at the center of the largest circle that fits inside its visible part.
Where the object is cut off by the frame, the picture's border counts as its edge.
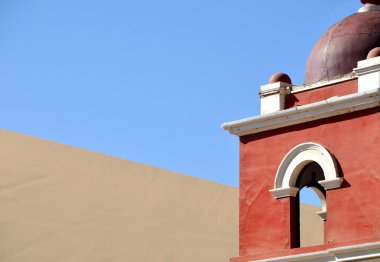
(359, 252)
(321, 256)
(296, 159)
(368, 72)
(301, 114)
(331, 183)
(272, 97)
(369, 8)
(322, 214)
(367, 66)
(274, 88)
(284, 192)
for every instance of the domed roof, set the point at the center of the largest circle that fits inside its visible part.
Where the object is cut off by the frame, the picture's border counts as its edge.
(343, 45)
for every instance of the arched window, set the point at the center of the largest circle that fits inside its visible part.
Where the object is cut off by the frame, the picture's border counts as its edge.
(310, 219)
(308, 165)
(309, 177)
(285, 183)
(311, 226)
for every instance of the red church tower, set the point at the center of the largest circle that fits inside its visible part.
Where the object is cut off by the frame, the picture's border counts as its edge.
(324, 135)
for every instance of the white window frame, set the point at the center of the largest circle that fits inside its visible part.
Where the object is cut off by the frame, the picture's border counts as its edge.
(293, 163)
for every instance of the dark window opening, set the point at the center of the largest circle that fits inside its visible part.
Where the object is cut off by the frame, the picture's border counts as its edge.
(307, 221)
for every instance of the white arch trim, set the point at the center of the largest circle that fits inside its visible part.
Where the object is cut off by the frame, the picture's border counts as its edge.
(293, 163)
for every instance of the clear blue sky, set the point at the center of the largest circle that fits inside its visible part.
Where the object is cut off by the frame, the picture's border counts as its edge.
(151, 81)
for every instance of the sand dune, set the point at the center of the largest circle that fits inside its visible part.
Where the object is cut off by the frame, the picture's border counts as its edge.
(60, 203)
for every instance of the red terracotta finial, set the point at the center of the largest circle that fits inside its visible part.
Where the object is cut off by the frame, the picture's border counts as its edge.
(370, 2)
(280, 77)
(374, 53)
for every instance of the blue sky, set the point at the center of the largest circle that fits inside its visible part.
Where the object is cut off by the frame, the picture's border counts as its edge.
(151, 81)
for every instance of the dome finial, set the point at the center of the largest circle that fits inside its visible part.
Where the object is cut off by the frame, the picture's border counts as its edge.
(374, 53)
(370, 5)
(280, 77)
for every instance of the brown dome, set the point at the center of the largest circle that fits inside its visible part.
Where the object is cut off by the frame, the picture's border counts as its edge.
(343, 45)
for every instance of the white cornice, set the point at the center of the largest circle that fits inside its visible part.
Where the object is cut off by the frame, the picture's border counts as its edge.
(360, 252)
(306, 113)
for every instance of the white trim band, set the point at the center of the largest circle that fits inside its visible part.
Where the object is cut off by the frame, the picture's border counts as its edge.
(306, 113)
(358, 252)
(369, 8)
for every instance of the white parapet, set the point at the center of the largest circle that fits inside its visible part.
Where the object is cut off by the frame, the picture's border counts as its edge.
(368, 72)
(273, 97)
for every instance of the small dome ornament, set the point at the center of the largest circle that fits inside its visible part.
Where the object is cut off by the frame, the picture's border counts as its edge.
(280, 77)
(374, 53)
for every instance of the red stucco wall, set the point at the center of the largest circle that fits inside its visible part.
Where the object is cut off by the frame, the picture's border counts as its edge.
(322, 93)
(353, 210)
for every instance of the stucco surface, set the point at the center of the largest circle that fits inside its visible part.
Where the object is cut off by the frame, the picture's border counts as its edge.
(60, 203)
(353, 210)
(322, 93)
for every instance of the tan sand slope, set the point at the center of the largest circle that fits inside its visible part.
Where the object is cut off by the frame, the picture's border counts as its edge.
(60, 203)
